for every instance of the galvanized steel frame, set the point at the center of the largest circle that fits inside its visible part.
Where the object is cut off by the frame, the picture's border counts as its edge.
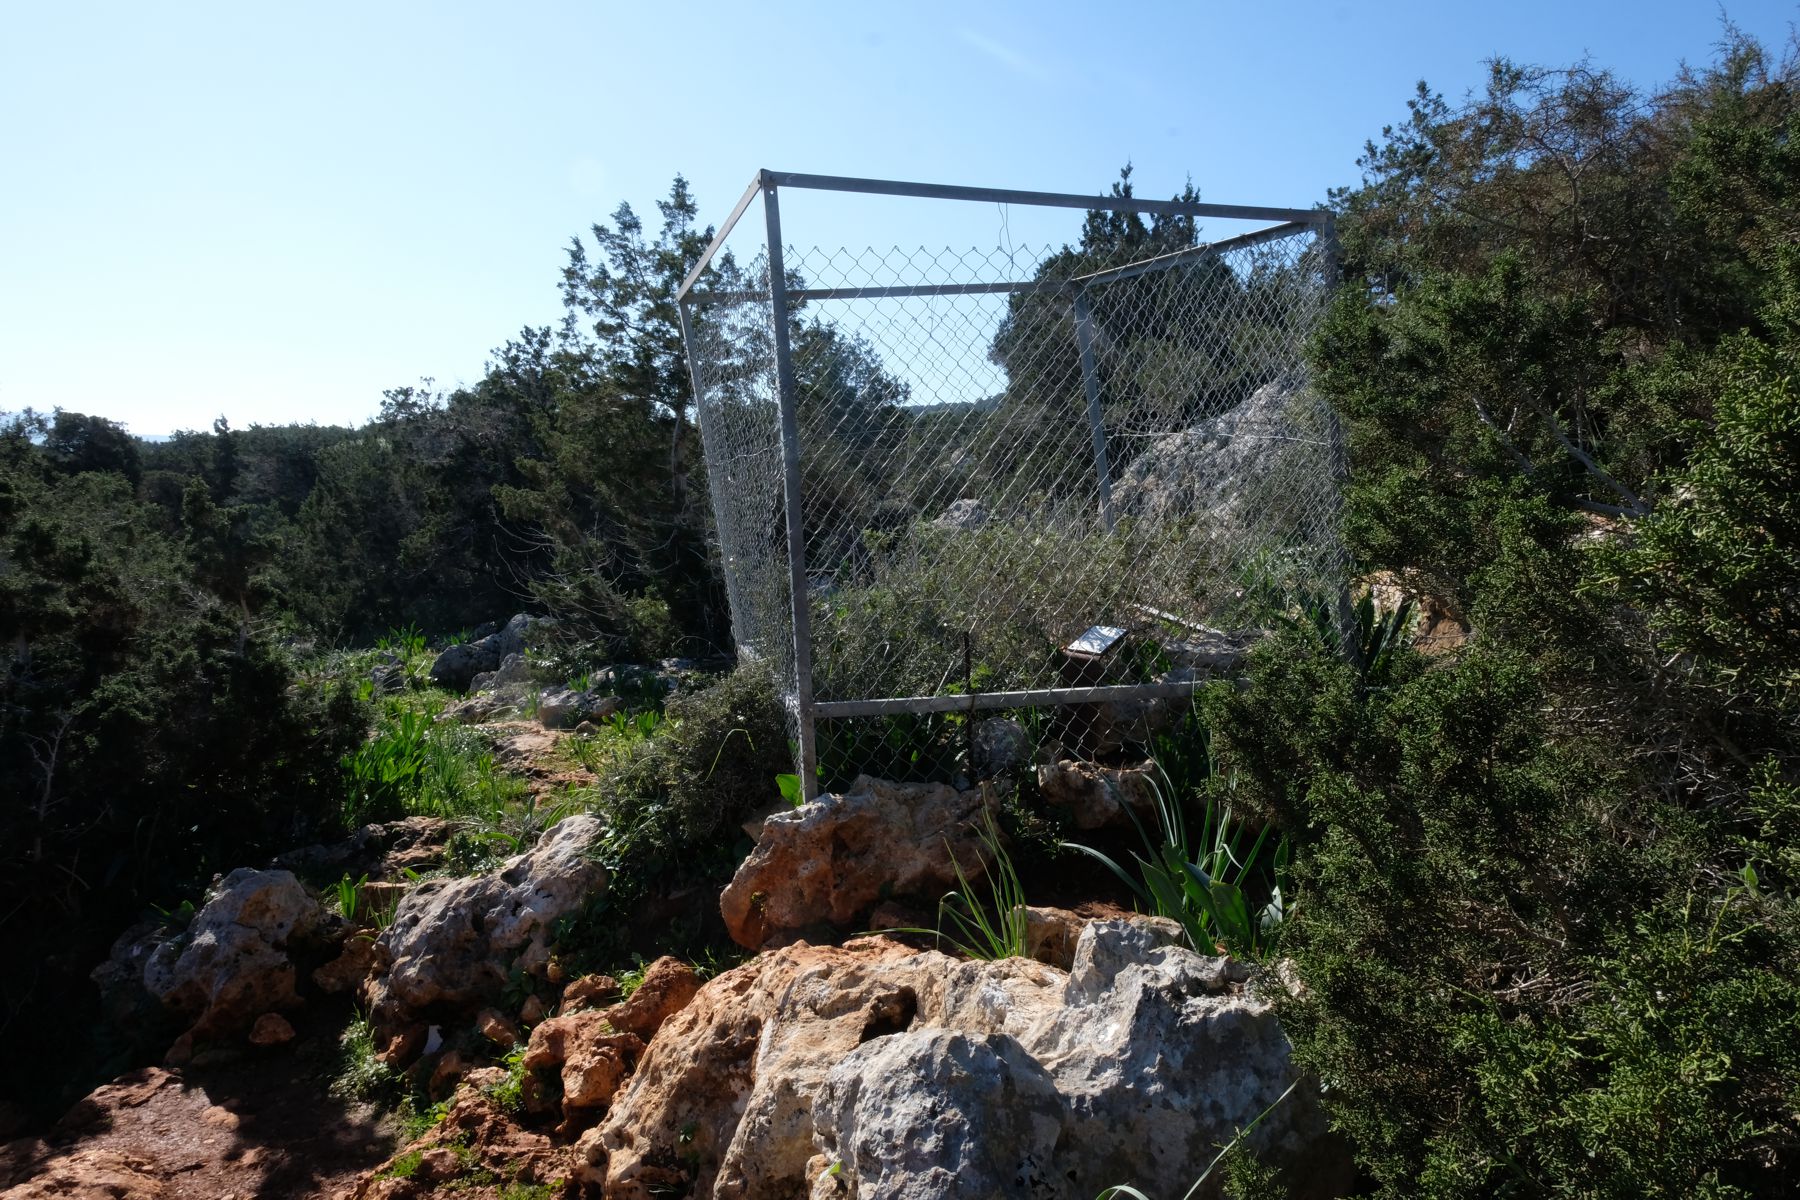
(767, 184)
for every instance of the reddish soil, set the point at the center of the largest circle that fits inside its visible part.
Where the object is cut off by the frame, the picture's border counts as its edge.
(264, 1125)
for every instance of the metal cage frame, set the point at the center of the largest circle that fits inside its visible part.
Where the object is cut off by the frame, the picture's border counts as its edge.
(767, 184)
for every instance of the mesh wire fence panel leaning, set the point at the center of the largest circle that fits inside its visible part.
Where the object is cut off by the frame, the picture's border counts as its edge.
(1074, 479)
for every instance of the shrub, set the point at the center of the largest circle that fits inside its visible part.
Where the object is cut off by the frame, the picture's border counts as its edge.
(709, 764)
(1521, 975)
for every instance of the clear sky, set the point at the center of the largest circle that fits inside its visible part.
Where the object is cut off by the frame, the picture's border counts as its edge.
(274, 212)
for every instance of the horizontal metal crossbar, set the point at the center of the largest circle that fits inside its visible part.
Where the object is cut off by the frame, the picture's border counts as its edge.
(941, 191)
(1293, 219)
(1023, 699)
(1175, 258)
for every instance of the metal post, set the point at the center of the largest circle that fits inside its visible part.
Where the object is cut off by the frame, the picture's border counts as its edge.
(796, 525)
(1330, 267)
(1090, 383)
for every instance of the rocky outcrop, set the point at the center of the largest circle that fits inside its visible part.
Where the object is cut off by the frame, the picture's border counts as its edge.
(667, 987)
(453, 942)
(480, 1152)
(1214, 464)
(564, 708)
(830, 861)
(458, 665)
(875, 1070)
(1001, 748)
(233, 963)
(381, 851)
(589, 1058)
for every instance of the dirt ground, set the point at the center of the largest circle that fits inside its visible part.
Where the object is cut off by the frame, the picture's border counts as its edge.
(262, 1126)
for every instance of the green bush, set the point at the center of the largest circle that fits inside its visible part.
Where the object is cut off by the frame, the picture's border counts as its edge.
(709, 764)
(1521, 976)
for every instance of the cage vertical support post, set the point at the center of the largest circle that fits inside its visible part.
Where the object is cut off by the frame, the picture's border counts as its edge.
(1331, 266)
(788, 397)
(1090, 384)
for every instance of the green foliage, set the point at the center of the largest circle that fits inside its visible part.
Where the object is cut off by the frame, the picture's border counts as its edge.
(704, 770)
(405, 1166)
(149, 736)
(348, 894)
(415, 765)
(1205, 883)
(791, 789)
(360, 1073)
(993, 928)
(1714, 568)
(509, 1093)
(1458, 897)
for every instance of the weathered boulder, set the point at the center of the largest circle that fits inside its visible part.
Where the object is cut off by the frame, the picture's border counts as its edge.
(233, 963)
(1095, 796)
(271, 1029)
(380, 851)
(966, 513)
(512, 672)
(457, 666)
(1001, 747)
(475, 1144)
(388, 677)
(833, 859)
(453, 942)
(920, 1075)
(588, 1055)
(563, 708)
(931, 1113)
(667, 987)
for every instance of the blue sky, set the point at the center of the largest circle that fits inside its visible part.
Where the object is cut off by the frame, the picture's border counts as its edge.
(275, 212)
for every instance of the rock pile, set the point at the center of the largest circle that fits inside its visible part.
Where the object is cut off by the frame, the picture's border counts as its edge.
(454, 943)
(875, 1070)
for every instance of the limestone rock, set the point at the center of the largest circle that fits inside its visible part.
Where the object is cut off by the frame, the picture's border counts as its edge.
(233, 963)
(1001, 747)
(590, 991)
(589, 1055)
(835, 858)
(933, 1113)
(667, 987)
(457, 666)
(921, 1075)
(351, 967)
(476, 1143)
(1097, 796)
(963, 514)
(1214, 464)
(453, 942)
(494, 1026)
(688, 1097)
(512, 672)
(561, 708)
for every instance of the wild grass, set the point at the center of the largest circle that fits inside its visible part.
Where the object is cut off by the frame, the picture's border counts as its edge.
(414, 765)
(1204, 883)
(986, 928)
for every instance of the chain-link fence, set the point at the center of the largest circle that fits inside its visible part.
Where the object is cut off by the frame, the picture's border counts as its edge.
(1066, 483)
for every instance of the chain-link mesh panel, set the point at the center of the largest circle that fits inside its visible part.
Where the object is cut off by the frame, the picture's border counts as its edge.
(1000, 450)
